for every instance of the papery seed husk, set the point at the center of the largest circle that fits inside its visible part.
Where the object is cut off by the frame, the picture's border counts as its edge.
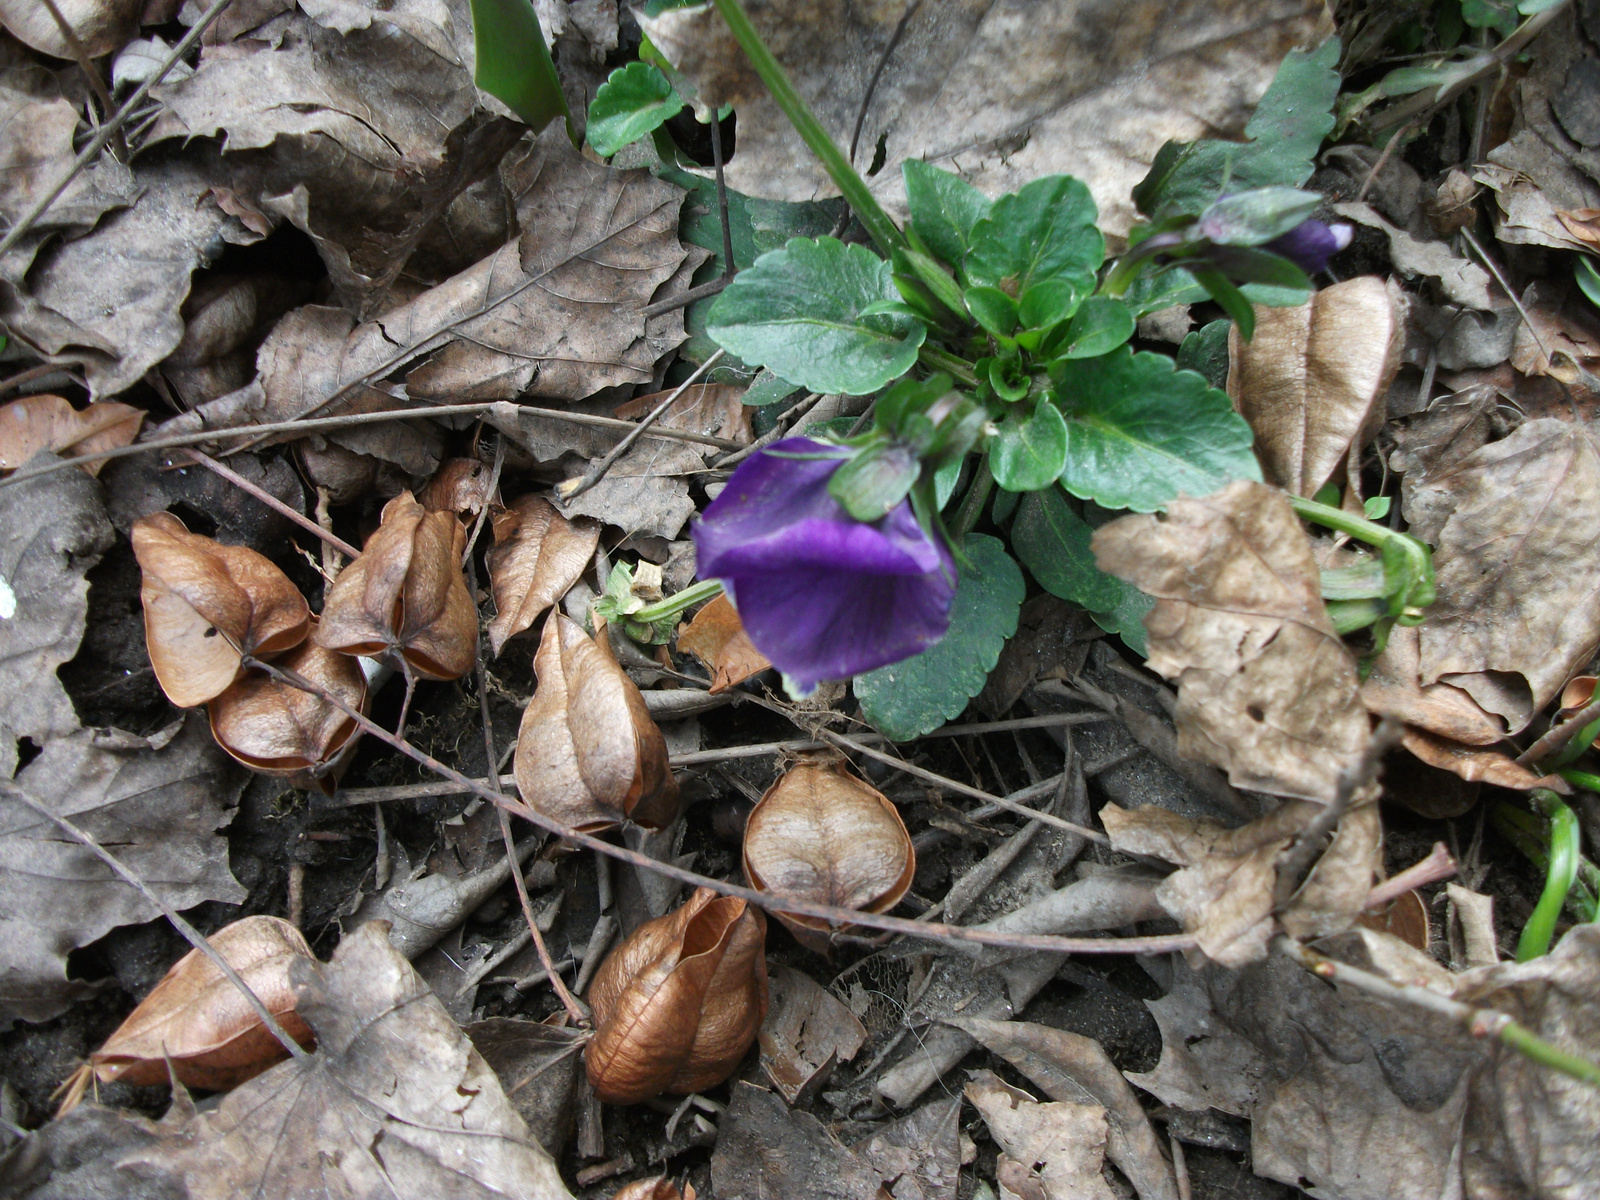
(538, 554)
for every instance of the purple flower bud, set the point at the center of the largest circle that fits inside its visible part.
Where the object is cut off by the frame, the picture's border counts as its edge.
(822, 595)
(1310, 244)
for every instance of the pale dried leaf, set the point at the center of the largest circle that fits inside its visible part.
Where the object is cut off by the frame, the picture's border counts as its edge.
(645, 491)
(538, 554)
(717, 638)
(709, 409)
(767, 1149)
(918, 1157)
(99, 25)
(1052, 1151)
(1393, 689)
(1461, 279)
(50, 423)
(807, 1032)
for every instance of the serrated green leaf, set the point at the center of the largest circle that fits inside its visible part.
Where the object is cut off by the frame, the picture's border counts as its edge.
(632, 102)
(513, 63)
(798, 312)
(943, 208)
(1140, 432)
(908, 699)
(1053, 543)
(1028, 454)
(1046, 232)
(1098, 327)
(1206, 351)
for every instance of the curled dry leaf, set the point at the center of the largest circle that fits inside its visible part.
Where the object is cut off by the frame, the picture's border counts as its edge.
(279, 729)
(1266, 690)
(821, 834)
(588, 753)
(1477, 764)
(36, 423)
(660, 1188)
(406, 593)
(196, 1019)
(717, 638)
(100, 26)
(678, 1004)
(1310, 380)
(538, 554)
(206, 604)
(461, 485)
(1394, 689)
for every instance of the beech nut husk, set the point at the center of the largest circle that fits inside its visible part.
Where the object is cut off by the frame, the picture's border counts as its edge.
(679, 1003)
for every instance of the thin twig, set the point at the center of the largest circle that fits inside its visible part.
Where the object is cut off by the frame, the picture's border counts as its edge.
(877, 74)
(1510, 295)
(1438, 865)
(192, 935)
(272, 502)
(794, 411)
(684, 299)
(483, 512)
(85, 63)
(1383, 160)
(728, 267)
(1558, 736)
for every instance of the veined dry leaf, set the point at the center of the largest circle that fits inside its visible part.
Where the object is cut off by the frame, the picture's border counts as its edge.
(538, 554)
(1313, 378)
(711, 409)
(405, 593)
(279, 729)
(460, 486)
(678, 1004)
(100, 26)
(1051, 1151)
(36, 423)
(199, 1021)
(717, 638)
(823, 835)
(1560, 340)
(1393, 689)
(206, 604)
(1477, 764)
(1461, 279)
(588, 752)
(1266, 690)
(805, 1035)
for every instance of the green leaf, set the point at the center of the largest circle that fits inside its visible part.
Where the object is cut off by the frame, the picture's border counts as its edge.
(1044, 233)
(1099, 327)
(514, 64)
(1221, 289)
(798, 311)
(1588, 280)
(1259, 215)
(634, 101)
(1139, 432)
(768, 388)
(1026, 455)
(933, 277)
(876, 480)
(1206, 352)
(1047, 304)
(1053, 543)
(993, 309)
(943, 207)
(908, 699)
(1126, 620)
(1498, 15)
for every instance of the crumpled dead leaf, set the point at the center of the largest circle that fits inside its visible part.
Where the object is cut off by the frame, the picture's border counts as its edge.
(406, 594)
(1312, 378)
(709, 409)
(679, 1003)
(807, 1032)
(206, 605)
(1002, 93)
(821, 834)
(717, 638)
(1461, 279)
(45, 422)
(538, 1066)
(1478, 764)
(459, 486)
(1050, 1151)
(1393, 688)
(588, 753)
(1266, 690)
(538, 554)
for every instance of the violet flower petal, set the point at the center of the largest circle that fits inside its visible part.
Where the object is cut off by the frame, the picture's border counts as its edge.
(1310, 244)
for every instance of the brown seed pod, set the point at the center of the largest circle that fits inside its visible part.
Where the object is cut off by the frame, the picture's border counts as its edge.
(588, 753)
(678, 1004)
(205, 604)
(823, 835)
(460, 486)
(406, 593)
(538, 554)
(717, 638)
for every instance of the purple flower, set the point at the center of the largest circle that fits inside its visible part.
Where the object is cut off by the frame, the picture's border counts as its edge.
(822, 595)
(1310, 244)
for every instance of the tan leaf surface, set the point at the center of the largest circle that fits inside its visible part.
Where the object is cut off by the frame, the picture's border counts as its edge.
(1461, 279)
(678, 1004)
(710, 409)
(821, 834)
(717, 638)
(205, 604)
(1311, 379)
(1517, 573)
(460, 486)
(1477, 764)
(806, 1033)
(538, 554)
(588, 753)
(1266, 690)
(1051, 1151)
(100, 26)
(1393, 689)
(36, 423)
(1002, 93)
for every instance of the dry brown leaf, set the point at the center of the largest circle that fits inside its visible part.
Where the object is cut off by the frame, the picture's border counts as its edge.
(206, 604)
(279, 729)
(1312, 379)
(1477, 764)
(406, 594)
(767, 1149)
(678, 1004)
(36, 423)
(1051, 1151)
(1266, 690)
(1519, 582)
(100, 26)
(709, 409)
(1394, 690)
(717, 638)
(459, 486)
(588, 753)
(821, 834)
(1461, 279)
(1405, 918)
(200, 1022)
(806, 1034)
(1557, 339)
(660, 1188)
(1583, 224)
(538, 554)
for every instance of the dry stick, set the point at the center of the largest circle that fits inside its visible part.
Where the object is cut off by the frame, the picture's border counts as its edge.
(684, 299)
(85, 63)
(1383, 160)
(192, 935)
(1558, 736)
(777, 431)
(22, 378)
(828, 912)
(1479, 1022)
(1438, 865)
(1533, 331)
(877, 74)
(571, 489)
(272, 502)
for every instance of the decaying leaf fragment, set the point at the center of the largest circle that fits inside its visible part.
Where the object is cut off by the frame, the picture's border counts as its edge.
(1311, 379)
(1051, 1151)
(717, 638)
(821, 834)
(206, 604)
(461, 486)
(36, 423)
(196, 1019)
(1266, 690)
(405, 593)
(660, 1188)
(588, 753)
(678, 1004)
(805, 1035)
(538, 554)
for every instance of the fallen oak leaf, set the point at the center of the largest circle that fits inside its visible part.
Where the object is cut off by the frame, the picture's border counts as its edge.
(717, 638)
(538, 554)
(50, 423)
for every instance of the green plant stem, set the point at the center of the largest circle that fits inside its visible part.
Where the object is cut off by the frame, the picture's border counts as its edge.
(972, 503)
(1563, 869)
(943, 360)
(1587, 780)
(677, 603)
(1528, 834)
(851, 186)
